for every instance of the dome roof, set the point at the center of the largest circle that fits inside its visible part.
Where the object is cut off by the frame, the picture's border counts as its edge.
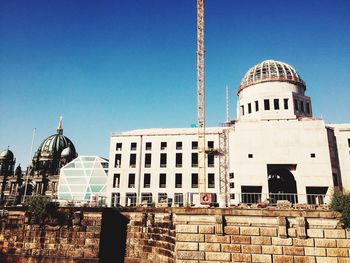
(6, 155)
(268, 71)
(67, 152)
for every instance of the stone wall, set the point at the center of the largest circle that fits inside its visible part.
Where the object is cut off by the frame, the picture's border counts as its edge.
(191, 235)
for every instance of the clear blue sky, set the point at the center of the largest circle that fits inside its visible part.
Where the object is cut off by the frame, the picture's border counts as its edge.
(126, 64)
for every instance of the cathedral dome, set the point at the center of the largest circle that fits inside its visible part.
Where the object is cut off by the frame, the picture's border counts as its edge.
(269, 71)
(54, 145)
(6, 155)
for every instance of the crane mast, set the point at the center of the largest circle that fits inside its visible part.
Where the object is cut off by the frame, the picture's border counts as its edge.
(201, 98)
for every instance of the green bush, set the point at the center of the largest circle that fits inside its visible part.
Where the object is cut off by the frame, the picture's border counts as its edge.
(341, 203)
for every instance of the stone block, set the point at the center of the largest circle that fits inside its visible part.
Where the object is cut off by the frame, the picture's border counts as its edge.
(313, 251)
(231, 248)
(297, 251)
(251, 249)
(209, 247)
(325, 242)
(187, 229)
(250, 231)
(343, 260)
(190, 255)
(240, 239)
(304, 259)
(337, 252)
(231, 230)
(282, 259)
(179, 261)
(222, 256)
(334, 233)
(190, 237)
(309, 242)
(261, 258)
(326, 260)
(217, 239)
(282, 241)
(206, 229)
(275, 250)
(239, 257)
(314, 232)
(292, 232)
(268, 231)
(343, 243)
(186, 246)
(258, 240)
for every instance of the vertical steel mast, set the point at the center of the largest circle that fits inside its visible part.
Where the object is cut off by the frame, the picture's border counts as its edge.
(201, 97)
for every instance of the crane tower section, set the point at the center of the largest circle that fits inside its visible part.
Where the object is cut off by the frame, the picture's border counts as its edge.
(201, 97)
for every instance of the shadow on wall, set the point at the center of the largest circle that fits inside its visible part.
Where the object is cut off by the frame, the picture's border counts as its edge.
(113, 236)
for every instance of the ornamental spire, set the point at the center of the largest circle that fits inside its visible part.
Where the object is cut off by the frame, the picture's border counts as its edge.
(59, 127)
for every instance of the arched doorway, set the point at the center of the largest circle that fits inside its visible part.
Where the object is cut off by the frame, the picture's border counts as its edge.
(282, 184)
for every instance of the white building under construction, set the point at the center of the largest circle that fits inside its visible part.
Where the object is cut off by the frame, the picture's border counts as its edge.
(274, 150)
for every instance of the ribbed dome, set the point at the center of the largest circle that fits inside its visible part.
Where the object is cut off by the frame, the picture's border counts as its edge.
(6, 155)
(54, 145)
(271, 70)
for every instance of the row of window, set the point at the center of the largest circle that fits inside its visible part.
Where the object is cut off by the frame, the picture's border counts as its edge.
(298, 105)
(163, 145)
(130, 199)
(163, 180)
(163, 160)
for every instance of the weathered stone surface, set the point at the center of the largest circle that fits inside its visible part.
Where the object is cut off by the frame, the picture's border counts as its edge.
(251, 249)
(240, 239)
(289, 250)
(258, 240)
(309, 242)
(186, 229)
(190, 255)
(209, 247)
(186, 246)
(325, 242)
(222, 256)
(314, 232)
(261, 258)
(206, 229)
(231, 248)
(313, 251)
(231, 230)
(190, 237)
(282, 259)
(326, 260)
(239, 257)
(250, 231)
(304, 259)
(268, 231)
(334, 233)
(275, 250)
(282, 241)
(343, 243)
(217, 239)
(337, 252)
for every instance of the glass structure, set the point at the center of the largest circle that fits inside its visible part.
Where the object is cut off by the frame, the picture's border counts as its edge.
(83, 179)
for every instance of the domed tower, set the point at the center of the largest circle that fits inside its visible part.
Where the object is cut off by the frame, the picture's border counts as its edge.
(7, 164)
(272, 90)
(48, 158)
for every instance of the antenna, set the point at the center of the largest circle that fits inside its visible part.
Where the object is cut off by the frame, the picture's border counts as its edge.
(227, 108)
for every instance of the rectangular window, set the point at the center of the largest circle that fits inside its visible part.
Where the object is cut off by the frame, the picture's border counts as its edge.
(312, 155)
(301, 106)
(249, 108)
(276, 104)
(194, 160)
(162, 180)
(132, 160)
(211, 144)
(178, 145)
(118, 146)
(349, 142)
(163, 160)
(232, 175)
(194, 182)
(162, 197)
(210, 159)
(256, 105)
(232, 185)
(130, 199)
(232, 196)
(115, 200)
(211, 180)
(146, 198)
(118, 160)
(194, 145)
(285, 101)
(266, 105)
(178, 180)
(242, 110)
(116, 180)
(131, 181)
(148, 146)
(178, 160)
(133, 146)
(163, 145)
(179, 199)
(250, 155)
(146, 180)
(308, 108)
(148, 160)
(296, 106)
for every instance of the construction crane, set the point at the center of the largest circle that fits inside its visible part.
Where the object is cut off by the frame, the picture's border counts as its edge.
(201, 97)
